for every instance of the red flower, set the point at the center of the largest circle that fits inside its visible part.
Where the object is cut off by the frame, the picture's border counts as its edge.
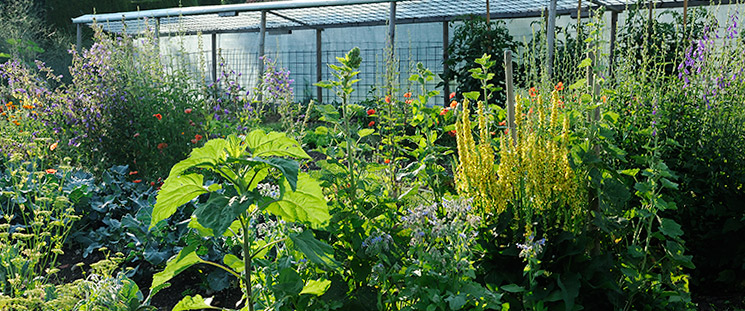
(137, 181)
(388, 99)
(371, 123)
(387, 161)
(452, 95)
(453, 104)
(162, 146)
(158, 116)
(133, 173)
(407, 95)
(444, 111)
(51, 171)
(532, 92)
(152, 184)
(409, 101)
(452, 133)
(196, 138)
(370, 112)
(187, 110)
(560, 86)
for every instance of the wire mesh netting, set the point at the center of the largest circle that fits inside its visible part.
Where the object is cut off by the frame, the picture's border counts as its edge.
(302, 66)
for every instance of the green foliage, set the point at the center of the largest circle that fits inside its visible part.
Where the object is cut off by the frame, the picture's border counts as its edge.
(472, 39)
(37, 210)
(240, 164)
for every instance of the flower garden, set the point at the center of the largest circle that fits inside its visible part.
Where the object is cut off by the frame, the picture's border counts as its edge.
(126, 186)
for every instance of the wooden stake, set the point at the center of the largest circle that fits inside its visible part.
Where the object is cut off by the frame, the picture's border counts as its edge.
(510, 95)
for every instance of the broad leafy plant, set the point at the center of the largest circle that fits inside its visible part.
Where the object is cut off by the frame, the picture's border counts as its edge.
(238, 171)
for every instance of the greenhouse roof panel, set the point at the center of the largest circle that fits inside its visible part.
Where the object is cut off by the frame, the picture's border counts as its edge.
(293, 14)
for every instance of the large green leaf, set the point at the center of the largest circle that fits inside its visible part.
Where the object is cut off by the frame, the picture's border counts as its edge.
(207, 232)
(289, 169)
(316, 287)
(209, 155)
(289, 283)
(316, 251)
(177, 190)
(186, 258)
(219, 212)
(193, 303)
(234, 263)
(305, 204)
(670, 228)
(276, 144)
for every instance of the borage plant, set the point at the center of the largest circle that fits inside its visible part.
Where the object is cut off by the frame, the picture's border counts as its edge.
(238, 165)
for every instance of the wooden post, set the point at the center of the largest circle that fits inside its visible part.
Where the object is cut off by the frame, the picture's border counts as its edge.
(157, 33)
(592, 86)
(685, 14)
(612, 54)
(550, 37)
(80, 38)
(649, 24)
(392, 46)
(445, 69)
(579, 17)
(214, 58)
(262, 45)
(319, 65)
(510, 95)
(488, 17)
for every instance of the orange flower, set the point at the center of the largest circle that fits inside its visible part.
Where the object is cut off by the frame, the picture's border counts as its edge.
(137, 181)
(560, 86)
(604, 98)
(51, 171)
(196, 138)
(409, 101)
(158, 116)
(371, 124)
(162, 146)
(452, 95)
(370, 112)
(133, 173)
(444, 111)
(452, 133)
(407, 95)
(53, 146)
(187, 110)
(532, 92)
(530, 111)
(503, 123)
(387, 99)
(453, 104)
(387, 161)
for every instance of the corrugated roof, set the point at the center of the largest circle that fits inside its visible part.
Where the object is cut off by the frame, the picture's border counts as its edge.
(294, 14)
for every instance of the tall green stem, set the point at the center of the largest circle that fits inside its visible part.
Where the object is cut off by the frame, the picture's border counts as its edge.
(247, 261)
(350, 150)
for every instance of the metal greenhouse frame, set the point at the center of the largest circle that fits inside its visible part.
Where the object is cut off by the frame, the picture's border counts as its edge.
(322, 14)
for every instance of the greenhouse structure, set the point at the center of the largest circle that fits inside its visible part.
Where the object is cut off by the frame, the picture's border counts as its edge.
(282, 17)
